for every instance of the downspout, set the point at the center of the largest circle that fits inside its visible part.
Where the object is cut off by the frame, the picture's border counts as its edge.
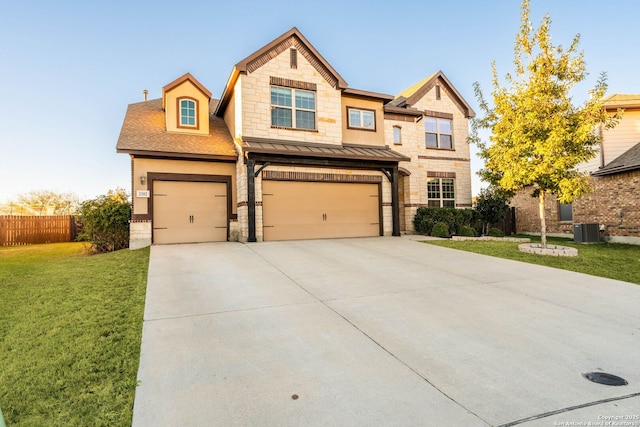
(601, 134)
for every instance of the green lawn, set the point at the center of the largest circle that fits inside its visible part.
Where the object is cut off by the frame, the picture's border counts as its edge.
(70, 329)
(615, 261)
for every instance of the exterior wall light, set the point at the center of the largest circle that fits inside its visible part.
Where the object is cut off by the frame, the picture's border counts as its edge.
(143, 180)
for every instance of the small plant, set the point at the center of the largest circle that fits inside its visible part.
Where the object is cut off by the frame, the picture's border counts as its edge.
(467, 231)
(440, 229)
(495, 232)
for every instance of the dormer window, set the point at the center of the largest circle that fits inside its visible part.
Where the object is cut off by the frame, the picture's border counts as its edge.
(187, 113)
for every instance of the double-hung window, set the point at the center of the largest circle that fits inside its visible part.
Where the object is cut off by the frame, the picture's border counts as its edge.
(361, 119)
(187, 111)
(438, 133)
(293, 108)
(441, 193)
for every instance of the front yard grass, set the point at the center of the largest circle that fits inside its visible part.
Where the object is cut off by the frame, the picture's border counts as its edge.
(612, 260)
(70, 330)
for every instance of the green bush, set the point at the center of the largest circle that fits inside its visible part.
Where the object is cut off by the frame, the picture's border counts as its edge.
(440, 229)
(467, 231)
(105, 221)
(495, 232)
(426, 218)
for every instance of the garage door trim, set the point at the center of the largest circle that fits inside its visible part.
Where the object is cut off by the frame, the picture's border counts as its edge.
(299, 176)
(184, 177)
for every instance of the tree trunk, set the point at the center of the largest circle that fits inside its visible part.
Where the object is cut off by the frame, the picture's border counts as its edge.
(543, 224)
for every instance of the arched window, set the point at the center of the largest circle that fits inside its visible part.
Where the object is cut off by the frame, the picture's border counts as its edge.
(187, 113)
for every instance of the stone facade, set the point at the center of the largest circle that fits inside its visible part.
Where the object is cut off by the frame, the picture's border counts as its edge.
(256, 103)
(432, 162)
(139, 234)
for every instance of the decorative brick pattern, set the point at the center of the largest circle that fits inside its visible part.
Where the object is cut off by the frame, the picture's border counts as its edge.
(319, 177)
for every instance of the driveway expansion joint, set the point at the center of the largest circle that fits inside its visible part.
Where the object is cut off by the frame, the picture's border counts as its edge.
(568, 409)
(213, 313)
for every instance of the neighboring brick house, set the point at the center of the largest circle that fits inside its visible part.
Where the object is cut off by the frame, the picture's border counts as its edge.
(290, 151)
(615, 175)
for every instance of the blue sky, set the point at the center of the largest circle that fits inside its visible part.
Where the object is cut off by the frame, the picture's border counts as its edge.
(69, 68)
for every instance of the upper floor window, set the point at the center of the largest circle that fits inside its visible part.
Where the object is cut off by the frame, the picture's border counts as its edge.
(187, 112)
(361, 119)
(438, 133)
(441, 193)
(293, 108)
(397, 135)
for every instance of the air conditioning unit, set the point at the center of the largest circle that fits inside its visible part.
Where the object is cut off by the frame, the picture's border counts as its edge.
(586, 233)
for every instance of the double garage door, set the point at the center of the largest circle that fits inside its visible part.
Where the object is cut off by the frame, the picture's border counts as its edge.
(319, 210)
(189, 212)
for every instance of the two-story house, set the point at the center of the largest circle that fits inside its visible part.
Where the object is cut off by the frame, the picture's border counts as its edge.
(290, 151)
(615, 176)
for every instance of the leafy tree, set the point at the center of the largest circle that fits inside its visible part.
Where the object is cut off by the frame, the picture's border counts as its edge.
(105, 221)
(42, 202)
(538, 135)
(491, 205)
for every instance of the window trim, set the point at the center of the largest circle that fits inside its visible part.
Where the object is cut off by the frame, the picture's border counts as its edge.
(560, 219)
(361, 110)
(196, 109)
(441, 199)
(437, 133)
(393, 135)
(294, 109)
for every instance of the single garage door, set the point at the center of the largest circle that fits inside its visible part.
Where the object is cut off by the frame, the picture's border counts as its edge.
(319, 210)
(189, 212)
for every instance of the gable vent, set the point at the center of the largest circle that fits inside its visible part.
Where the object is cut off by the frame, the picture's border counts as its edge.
(293, 55)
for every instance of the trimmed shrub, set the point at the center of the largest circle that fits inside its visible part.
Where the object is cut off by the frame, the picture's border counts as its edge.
(105, 221)
(466, 231)
(495, 232)
(440, 229)
(426, 218)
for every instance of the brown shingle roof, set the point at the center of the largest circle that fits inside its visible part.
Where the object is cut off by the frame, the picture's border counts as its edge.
(617, 100)
(143, 133)
(330, 151)
(627, 161)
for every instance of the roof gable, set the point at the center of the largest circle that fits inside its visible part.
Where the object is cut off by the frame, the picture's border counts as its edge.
(414, 93)
(292, 38)
(180, 80)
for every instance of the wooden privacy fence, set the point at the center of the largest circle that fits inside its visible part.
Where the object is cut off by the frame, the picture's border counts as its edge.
(27, 230)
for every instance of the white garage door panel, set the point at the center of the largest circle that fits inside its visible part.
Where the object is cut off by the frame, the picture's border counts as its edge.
(189, 212)
(317, 210)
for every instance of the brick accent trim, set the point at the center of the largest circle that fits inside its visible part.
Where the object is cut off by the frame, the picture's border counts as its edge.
(434, 174)
(319, 177)
(293, 41)
(457, 159)
(296, 84)
(438, 114)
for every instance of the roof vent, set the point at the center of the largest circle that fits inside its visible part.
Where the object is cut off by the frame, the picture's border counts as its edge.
(144, 94)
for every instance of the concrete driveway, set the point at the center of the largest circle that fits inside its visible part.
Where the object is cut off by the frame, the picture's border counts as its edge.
(380, 331)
